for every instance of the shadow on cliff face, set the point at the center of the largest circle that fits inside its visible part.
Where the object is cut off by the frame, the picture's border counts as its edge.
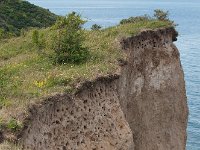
(1, 137)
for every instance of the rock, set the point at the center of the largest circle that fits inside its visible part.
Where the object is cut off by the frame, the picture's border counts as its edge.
(152, 91)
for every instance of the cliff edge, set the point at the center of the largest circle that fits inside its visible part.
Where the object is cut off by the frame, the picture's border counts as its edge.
(143, 107)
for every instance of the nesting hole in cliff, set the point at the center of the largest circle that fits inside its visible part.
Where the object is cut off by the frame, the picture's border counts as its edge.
(99, 94)
(64, 148)
(95, 95)
(72, 112)
(101, 90)
(83, 141)
(61, 119)
(57, 122)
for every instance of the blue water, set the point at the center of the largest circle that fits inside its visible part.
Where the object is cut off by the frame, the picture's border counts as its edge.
(185, 13)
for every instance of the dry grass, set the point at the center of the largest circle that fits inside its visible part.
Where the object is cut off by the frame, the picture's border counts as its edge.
(9, 146)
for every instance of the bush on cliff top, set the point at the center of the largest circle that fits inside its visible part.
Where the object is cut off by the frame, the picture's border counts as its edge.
(158, 15)
(68, 42)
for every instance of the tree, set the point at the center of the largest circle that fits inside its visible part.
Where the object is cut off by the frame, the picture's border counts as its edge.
(68, 43)
(96, 27)
(38, 40)
(35, 37)
(161, 15)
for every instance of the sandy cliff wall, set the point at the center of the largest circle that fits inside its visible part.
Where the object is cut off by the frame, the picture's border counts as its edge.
(152, 91)
(143, 108)
(89, 120)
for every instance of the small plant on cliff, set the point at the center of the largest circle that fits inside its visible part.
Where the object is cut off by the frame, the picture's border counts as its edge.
(161, 15)
(68, 43)
(13, 125)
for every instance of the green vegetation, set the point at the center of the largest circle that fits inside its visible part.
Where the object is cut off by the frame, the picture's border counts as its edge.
(158, 15)
(161, 15)
(35, 38)
(96, 27)
(136, 19)
(68, 42)
(13, 125)
(17, 14)
(38, 40)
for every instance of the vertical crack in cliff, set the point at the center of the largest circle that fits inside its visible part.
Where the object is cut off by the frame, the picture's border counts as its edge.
(143, 108)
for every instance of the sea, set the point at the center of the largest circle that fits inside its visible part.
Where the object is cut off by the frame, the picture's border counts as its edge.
(185, 13)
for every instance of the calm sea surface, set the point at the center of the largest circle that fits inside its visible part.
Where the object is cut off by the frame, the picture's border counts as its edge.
(186, 13)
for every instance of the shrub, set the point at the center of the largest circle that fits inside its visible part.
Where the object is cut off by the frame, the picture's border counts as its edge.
(96, 27)
(13, 125)
(1, 32)
(135, 19)
(38, 40)
(68, 43)
(161, 15)
(35, 37)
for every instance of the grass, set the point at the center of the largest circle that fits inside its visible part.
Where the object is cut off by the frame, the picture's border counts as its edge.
(9, 146)
(26, 75)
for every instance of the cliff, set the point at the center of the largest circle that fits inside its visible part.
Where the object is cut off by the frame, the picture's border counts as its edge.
(152, 91)
(143, 107)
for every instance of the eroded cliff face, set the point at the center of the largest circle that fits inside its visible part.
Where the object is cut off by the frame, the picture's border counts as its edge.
(152, 91)
(89, 120)
(142, 108)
